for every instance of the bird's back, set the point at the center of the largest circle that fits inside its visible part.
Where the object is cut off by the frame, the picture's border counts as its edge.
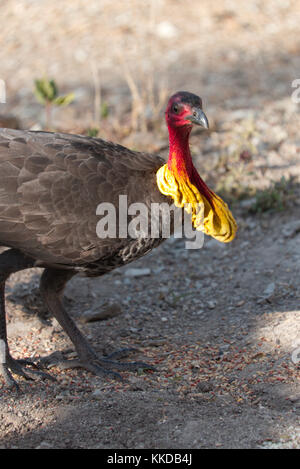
(51, 185)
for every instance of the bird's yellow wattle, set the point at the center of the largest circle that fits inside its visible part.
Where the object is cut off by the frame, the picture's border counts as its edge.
(214, 219)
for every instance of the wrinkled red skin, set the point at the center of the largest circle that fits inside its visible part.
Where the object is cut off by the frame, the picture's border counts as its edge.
(180, 160)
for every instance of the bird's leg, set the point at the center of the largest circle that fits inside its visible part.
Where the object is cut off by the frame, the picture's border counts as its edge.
(53, 282)
(12, 261)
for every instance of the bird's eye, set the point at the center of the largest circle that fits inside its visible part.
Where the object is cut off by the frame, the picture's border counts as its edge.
(175, 108)
(195, 113)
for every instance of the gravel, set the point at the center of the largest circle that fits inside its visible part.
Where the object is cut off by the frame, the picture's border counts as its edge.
(226, 374)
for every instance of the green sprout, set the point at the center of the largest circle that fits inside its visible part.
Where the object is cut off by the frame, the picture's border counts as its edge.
(274, 198)
(104, 110)
(93, 132)
(46, 92)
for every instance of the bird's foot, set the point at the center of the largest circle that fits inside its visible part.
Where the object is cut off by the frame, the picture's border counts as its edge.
(20, 368)
(103, 366)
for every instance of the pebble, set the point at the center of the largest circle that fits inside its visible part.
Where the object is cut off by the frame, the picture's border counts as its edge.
(137, 272)
(240, 303)
(166, 30)
(61, 397)
(204, 386)
(269, 291)
(247, 203)
(97, 394)
(291, 229)
(44, 445)
(107, 312)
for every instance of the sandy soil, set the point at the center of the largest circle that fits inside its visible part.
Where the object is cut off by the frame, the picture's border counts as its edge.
(221, 324)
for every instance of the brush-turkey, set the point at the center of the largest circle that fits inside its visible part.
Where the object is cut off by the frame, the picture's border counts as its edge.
(50, 187)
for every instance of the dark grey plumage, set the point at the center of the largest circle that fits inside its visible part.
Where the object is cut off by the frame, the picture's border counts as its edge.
(50, 187)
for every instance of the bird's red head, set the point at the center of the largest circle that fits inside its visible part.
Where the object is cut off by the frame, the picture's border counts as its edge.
(185, 109)
(179, 178)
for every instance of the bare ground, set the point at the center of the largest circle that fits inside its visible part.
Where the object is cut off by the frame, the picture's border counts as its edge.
(221, 324)
(222, 344)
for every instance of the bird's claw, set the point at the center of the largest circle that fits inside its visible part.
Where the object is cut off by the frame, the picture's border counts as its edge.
(103, 366)
(20, 368)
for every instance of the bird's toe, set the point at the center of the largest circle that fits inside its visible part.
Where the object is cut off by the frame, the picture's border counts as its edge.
(21, 368)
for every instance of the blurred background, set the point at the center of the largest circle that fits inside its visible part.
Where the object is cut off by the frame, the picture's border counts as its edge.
(117, 62)
(223, 321)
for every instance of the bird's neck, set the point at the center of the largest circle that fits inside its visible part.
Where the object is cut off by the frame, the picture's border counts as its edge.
(180, 162)
(179, 180)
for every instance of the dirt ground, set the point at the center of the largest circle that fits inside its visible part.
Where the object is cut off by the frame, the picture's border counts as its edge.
(222, 323)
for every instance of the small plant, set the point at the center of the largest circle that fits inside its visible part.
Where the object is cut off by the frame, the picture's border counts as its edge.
(235, 165)
(93, 132)
(104, 110)
(46, 92)
(273, 199)
(101, 109)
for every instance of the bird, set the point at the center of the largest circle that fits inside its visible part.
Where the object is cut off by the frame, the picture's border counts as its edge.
(51, 185)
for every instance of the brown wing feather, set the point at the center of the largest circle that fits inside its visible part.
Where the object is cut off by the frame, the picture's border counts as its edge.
(51, 185)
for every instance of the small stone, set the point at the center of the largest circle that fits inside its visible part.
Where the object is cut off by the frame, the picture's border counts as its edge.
(247, 203)
(44, 445)
(137, 272)
(269, 291)
(204, 386)
(240, 303)
(291, 229)
(166, 30)
(212, 304)
(97, 394)
(106, 312)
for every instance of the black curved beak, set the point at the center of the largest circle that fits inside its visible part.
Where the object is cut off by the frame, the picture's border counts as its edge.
(199, 118)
